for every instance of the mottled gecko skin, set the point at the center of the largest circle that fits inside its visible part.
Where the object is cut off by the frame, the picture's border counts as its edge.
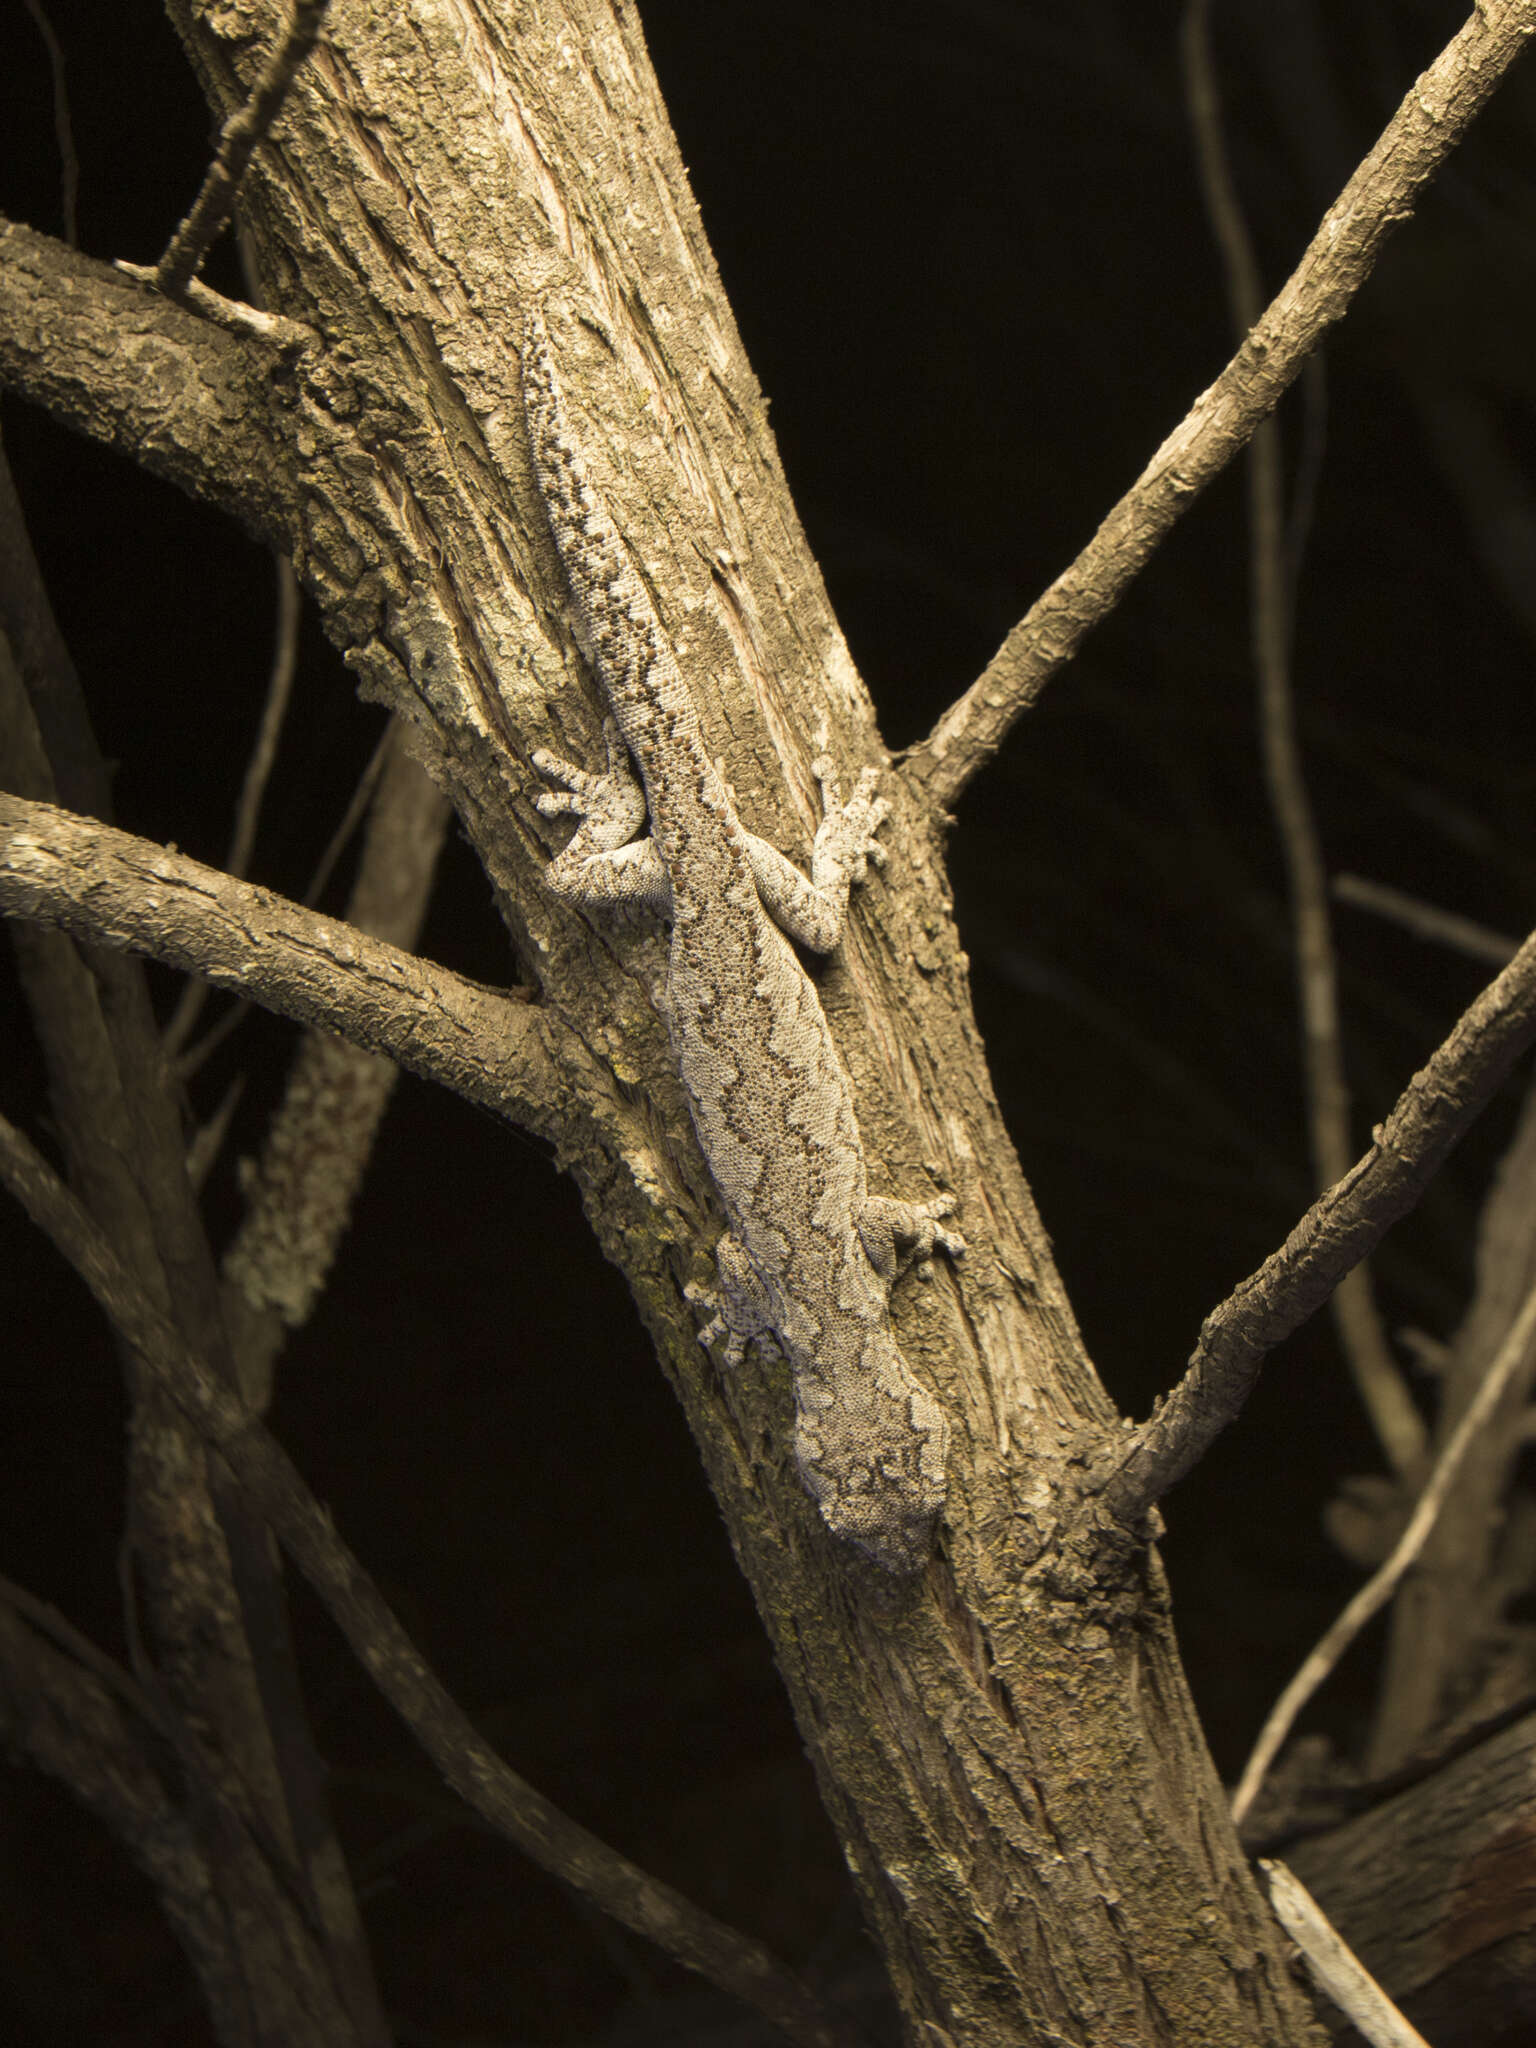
(810, 1254)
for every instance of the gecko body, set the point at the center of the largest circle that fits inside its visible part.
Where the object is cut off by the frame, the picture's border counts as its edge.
(809, 1254)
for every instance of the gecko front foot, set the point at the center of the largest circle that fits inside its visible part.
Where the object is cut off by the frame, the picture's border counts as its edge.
(603, 864)
(610, 807)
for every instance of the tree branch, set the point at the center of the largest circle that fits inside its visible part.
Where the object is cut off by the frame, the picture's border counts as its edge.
(102, 884)
(275, 1490)
(1424, 920)
(65, 1719)
(130, 369)
(213, 1599)
(238, 140)
(46, 1620)
(1437, 1107)
(1432, 119)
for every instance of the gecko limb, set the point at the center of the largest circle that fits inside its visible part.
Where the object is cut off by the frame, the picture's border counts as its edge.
(897, 1234)
(813, 909)
(741, 1308)
(603, 863)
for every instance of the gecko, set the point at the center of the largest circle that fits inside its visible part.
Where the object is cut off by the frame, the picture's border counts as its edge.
(809, 1255)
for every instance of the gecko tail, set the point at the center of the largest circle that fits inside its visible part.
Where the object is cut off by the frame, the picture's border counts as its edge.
(872, 1456)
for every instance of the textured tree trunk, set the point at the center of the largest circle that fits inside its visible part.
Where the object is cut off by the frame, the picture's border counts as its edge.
(1431, 1889)
(1006, 1746)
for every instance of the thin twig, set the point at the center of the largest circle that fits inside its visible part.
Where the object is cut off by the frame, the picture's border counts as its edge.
(275, 1491)
(285, 659)
(234, 316)
(1432, 119)
(63, 131)
(238, 139)
(198, 1055)
(1514, 1356)
(1335, 1965)
(1383, 1390)
(195, 1056)
(207, 1141)
(1425, 920)
(1434, 1111)
(1450, 1623)
(353, 815)
(258, 773)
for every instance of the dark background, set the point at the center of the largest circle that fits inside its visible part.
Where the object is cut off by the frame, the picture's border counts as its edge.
(971, 265)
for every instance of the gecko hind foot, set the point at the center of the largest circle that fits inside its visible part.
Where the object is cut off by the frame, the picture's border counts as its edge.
(898, 1234)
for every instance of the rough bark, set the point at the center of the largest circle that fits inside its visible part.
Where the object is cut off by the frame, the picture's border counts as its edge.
(493, 1047)
(150, 379)
(1432, 1887)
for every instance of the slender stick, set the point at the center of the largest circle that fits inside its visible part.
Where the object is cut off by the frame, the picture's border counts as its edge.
(63, 131)
(1432, 119)
(104, 1669)
(1336, 1967)
(258, 773)
(1424, 920)
(1382, 1388)
(1436, 1109)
